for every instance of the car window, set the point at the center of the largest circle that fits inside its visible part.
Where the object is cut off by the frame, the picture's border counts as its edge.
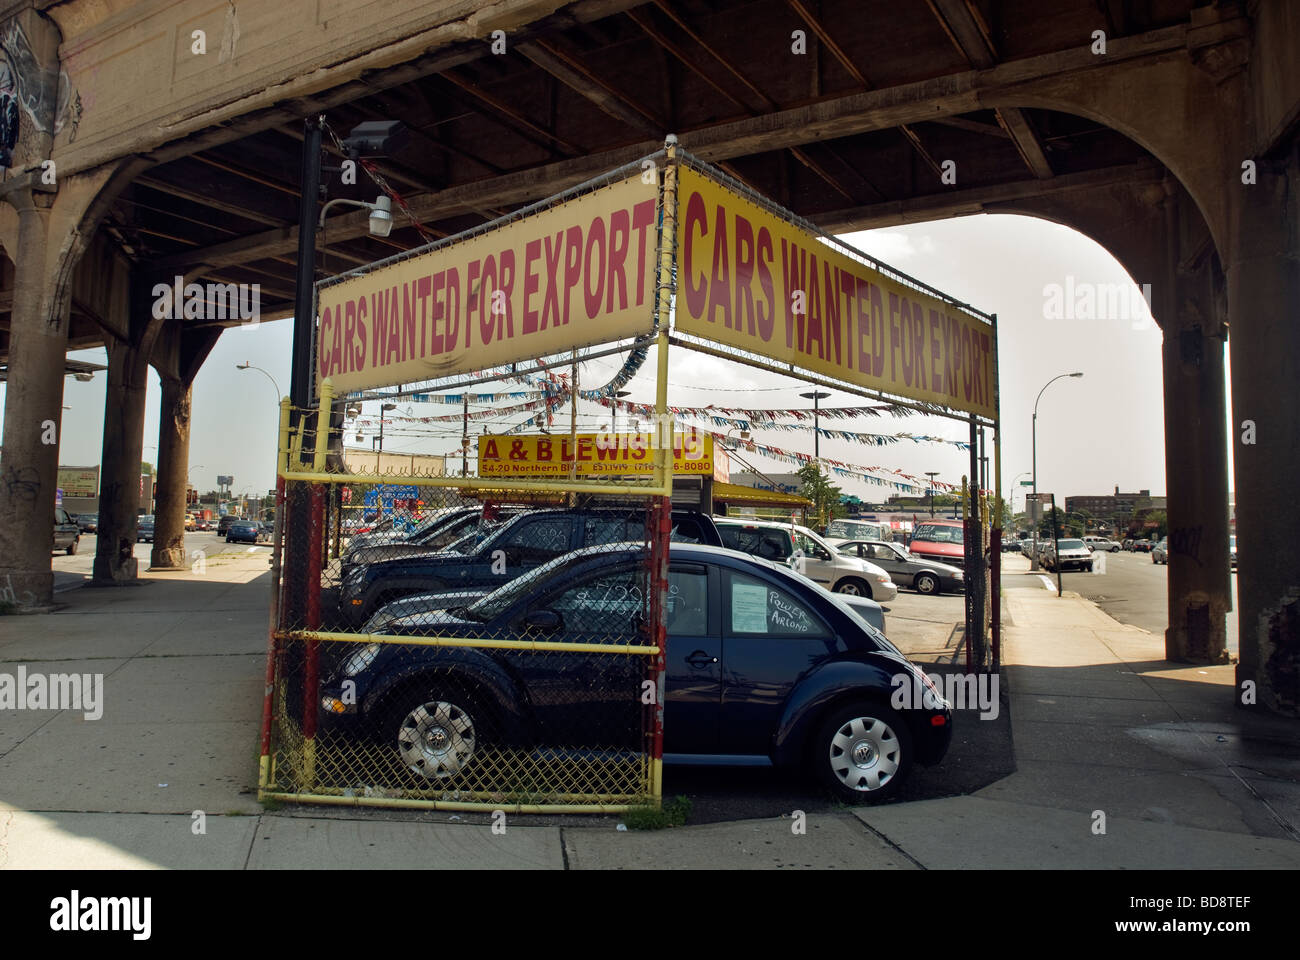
(758, 608)
(537, 541)
(608, 603)
(1071, 544)
(878, 551)
(687, 530)
(759, 541)
(810, 547)
(688, 603)
(601, 529)
(938, 534)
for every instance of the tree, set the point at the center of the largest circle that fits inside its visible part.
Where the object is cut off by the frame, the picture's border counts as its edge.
(1161, 519)
(825, 496)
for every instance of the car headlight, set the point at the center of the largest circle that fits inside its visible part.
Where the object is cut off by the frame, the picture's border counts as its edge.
(882, 578)
(358, 660)
(959, 575)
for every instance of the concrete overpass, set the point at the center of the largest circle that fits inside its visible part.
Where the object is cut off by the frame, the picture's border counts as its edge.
(162, 139)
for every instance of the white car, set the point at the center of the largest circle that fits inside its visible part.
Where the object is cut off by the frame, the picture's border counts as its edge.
(809, 554)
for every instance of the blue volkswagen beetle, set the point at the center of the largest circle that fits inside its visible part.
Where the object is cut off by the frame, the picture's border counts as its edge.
(763, 668)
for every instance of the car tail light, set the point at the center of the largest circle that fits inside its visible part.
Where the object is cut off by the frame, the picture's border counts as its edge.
(938, 721)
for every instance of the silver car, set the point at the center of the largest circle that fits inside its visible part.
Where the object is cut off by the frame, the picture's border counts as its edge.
(1160, 552)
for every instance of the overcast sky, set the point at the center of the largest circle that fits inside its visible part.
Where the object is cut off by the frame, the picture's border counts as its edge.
(1097, 432)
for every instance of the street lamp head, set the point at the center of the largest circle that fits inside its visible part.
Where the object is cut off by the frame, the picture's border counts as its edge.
(381, 217)
(1076, 374)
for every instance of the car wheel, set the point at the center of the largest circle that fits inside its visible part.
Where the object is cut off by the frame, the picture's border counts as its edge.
(1114, 549)
(863, 752)
(72, 547)
(926, 583)
(437, 735)
(854, 587)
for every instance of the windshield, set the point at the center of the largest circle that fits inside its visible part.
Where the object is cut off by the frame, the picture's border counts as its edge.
(501, 599)
(1072, 545)
(938, 534)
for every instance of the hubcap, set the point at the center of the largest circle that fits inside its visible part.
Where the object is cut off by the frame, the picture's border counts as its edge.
(865, 754)
(850, 589)
(436, 740)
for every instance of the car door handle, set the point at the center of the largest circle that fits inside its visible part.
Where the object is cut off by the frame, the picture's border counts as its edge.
(700, 659)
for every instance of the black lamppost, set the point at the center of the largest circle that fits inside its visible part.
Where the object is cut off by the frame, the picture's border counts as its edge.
(383, 408)
(932, 474)
(816, 396)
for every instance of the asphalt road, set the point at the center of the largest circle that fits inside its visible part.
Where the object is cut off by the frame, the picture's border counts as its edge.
(1132, 589)
(71, 571)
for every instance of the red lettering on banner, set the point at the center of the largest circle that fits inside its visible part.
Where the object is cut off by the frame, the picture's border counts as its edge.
(506, 260)
(918, 346)
(349, 331)
(532, 251)
(435, 285)
(966, 371)
(488, 450)
(472, 297)
(814, 312)
(862, 301)
(394, 330)
(486, 298)
(595, 241)
(619, 226)
(643, 217)
(408, 320)
(851, 310)
(720, 280)
(543, 449)
(324, 356)
(696, 295)
(551, 298)
(766, 320)
(878, 328)
(905, 347)
(744, 275)
(935, 372)
(452, 303)
(584, 450)
(984, 368)
(795, 274)
(894, 345)
(379, 332)
(360, 354)
(572, 265)
(422, 290)
(832, 312)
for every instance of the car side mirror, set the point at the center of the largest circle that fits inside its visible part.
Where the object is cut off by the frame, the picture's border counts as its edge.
(544, 621)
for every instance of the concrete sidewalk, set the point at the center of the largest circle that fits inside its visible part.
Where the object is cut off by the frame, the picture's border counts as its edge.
(1103, 728)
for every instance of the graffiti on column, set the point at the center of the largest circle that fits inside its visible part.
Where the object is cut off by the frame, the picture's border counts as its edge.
(22, 95)
(23, 483)
(1186, 542)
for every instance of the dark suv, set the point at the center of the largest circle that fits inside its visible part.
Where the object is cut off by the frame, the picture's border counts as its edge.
(524, 542)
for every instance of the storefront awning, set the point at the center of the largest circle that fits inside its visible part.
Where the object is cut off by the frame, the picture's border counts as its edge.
(735, 495)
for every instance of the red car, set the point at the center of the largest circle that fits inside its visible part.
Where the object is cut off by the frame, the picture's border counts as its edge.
(941, 541)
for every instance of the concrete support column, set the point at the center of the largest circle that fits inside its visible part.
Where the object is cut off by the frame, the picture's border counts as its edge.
(119, 495)
(1196, 468)
(173, 466)
(38, 341)
(1263, 272)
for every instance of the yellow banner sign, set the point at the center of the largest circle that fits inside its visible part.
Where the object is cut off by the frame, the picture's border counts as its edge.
(595, 453)
(580, 273)
(752, 281)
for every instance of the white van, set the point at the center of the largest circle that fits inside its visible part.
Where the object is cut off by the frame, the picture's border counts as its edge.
(809, 554)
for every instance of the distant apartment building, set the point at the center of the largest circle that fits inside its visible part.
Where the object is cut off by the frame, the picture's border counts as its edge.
(1121, 510)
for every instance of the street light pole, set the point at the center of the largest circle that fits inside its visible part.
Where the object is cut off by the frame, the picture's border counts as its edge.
(1034, 440)
(932, 474)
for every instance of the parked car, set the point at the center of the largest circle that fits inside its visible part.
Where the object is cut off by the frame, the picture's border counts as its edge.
(144, 529)
(1027, 547)
(1160, 552)
(1128, 544)
(201, 524)
(436, 534)
(804, 550)
(907, 570)
(1068, 555)
(845, 529)
(67, 533)
(940, 540)
(1101, 543)
(763, 669)
(224, 524)
(88, 522)
(1143, 546)
(244, 531)
(523, 543)
(1232, 551)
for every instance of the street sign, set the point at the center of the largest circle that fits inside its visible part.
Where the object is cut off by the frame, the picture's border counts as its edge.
(1026, 483)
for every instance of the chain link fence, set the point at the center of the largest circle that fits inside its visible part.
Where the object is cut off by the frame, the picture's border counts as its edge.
(464, 643)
